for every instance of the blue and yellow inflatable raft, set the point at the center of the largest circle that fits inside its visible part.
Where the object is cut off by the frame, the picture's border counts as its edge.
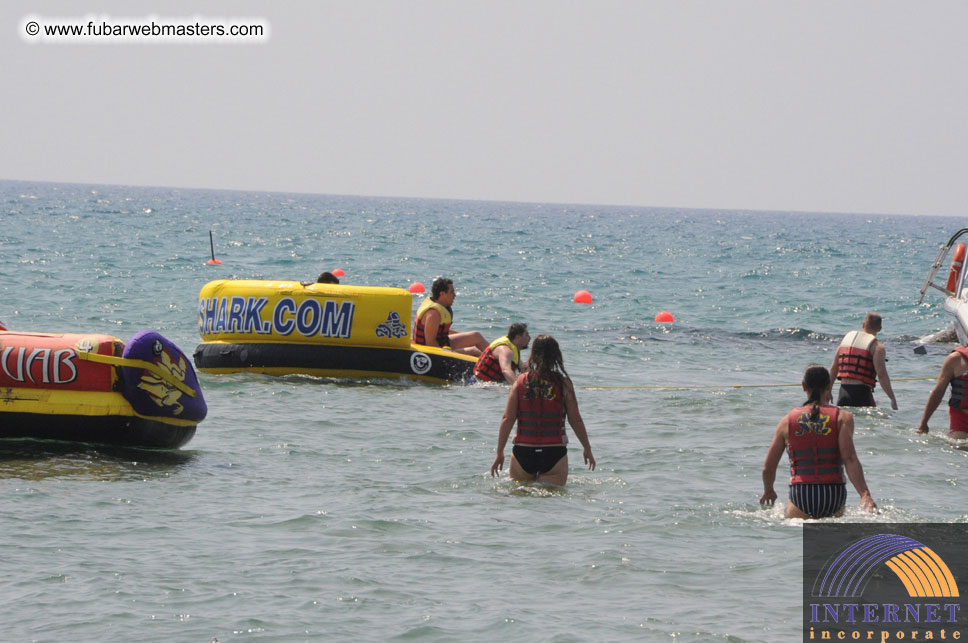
(95, 388)
(324, 330)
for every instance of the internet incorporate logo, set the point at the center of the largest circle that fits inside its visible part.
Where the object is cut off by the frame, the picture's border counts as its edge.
(922, 571)
(882, 586)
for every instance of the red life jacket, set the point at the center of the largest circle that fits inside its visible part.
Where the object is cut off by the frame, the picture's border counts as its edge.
(443, 330)
(488, 367)
(541, 418)
(855, 359)
(959, 386)
(813, 445)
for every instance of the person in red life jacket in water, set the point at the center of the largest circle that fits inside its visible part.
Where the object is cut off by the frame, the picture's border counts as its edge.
(820, 442)
(860, 362)
(954, 372)
(432, 323)
(539, 401)
(500, 362)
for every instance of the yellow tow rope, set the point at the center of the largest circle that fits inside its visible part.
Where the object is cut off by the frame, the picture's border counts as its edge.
(151, 367)
(714, 386)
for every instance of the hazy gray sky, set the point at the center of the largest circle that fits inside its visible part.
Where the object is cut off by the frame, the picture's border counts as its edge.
(858, 106)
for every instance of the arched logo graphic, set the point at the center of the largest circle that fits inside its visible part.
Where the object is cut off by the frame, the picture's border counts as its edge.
(922, 571)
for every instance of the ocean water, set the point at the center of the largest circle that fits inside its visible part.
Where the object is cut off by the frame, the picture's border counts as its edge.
(312, 509)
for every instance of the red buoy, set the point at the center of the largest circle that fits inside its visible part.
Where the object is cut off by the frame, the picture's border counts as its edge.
(665, 316)
(211, 244)
(416, 287)
(583, 297)
(338, 272)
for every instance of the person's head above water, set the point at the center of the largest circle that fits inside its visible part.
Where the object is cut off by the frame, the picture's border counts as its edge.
(519, 330)
(546, 360)
(816, 381)
(440, 287)
(872, 323)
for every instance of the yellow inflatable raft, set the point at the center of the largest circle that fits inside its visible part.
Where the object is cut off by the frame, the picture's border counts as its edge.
(325, 330)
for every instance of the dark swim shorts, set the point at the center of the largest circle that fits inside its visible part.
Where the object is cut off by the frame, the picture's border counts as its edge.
(856, 395)
(538, 460)
(819, 500)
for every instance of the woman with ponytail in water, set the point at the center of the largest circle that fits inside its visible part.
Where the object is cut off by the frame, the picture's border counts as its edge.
(820, 442)
(539, 401)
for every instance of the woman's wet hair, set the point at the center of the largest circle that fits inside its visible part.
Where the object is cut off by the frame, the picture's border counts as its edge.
(816, 379)
(546, 361)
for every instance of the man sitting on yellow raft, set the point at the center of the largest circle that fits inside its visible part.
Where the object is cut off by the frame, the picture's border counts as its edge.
(432, 323)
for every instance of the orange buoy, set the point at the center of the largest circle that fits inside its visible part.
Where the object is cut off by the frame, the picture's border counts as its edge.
(338, 272)
(665, 316)
(957, 262)
(583, 297)
(416, 287)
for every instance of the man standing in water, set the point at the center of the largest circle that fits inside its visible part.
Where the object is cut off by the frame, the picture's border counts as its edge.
(431, 324)
(859, 363)
(954, 371)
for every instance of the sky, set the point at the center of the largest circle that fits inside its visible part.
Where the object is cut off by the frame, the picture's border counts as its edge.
(817, 105)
